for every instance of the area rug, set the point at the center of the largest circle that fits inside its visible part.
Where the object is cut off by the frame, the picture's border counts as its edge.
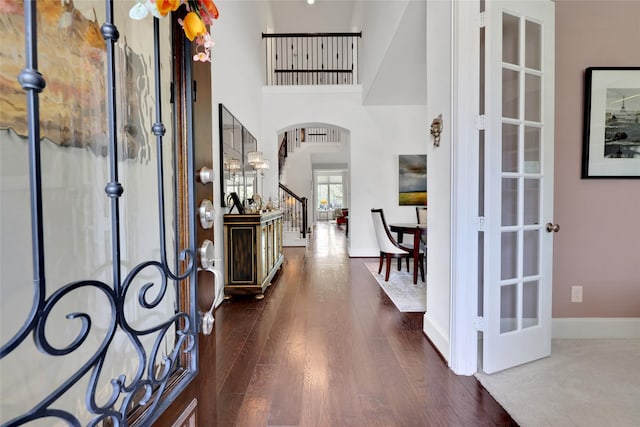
(584, 383)
(406, 296)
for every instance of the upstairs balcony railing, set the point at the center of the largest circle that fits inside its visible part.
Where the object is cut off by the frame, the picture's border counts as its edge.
(311, 58)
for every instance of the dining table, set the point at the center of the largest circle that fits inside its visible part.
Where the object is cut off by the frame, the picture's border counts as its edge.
(416, 230)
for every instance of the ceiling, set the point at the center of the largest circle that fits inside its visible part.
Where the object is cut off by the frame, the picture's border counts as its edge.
(296, 16)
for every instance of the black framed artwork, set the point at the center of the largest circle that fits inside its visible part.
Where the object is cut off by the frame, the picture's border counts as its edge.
(611, 144)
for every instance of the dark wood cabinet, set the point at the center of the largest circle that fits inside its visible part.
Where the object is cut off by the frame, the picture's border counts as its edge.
(252, 252)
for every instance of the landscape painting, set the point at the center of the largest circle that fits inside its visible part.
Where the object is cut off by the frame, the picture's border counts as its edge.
(412, 181)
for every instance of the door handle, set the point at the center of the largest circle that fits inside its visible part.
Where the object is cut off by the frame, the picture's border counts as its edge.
(206, 317)
(553, 227)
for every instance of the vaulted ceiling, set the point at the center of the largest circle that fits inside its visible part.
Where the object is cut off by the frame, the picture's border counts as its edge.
(393, 35)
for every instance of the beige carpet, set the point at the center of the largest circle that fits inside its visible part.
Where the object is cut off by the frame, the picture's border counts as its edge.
(585, 383)
(406, 296)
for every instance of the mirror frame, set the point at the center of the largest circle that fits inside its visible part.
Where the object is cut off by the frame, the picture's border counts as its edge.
(235, 143)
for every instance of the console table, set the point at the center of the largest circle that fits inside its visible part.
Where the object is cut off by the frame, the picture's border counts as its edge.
(252, 252)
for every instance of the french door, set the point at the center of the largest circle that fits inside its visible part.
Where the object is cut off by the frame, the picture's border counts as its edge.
(518, 195)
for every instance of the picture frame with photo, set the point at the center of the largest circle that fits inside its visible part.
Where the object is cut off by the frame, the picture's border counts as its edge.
(611, 140)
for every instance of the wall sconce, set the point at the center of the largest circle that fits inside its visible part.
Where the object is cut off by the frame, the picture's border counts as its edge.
(436, 130)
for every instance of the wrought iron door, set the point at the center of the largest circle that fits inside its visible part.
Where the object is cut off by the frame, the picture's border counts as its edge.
(99, 320)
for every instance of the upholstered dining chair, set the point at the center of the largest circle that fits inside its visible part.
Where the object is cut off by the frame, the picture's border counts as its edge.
(421, 215)
(390, 248)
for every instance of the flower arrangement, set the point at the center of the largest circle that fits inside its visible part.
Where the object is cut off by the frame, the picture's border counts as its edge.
(200, 13)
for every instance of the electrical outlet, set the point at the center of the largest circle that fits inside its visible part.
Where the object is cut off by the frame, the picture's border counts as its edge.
(576, 294)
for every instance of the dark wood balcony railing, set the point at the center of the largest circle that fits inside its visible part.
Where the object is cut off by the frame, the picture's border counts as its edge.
(311, 59)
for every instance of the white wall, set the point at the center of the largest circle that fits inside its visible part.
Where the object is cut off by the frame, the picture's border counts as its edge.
(378, 135)
(436, 319)
(236, 80)
(384, 17)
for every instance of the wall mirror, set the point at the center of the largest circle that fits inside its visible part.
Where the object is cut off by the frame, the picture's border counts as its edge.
(235, 143)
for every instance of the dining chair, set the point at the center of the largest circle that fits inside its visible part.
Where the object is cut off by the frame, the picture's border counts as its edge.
(421, 215)
(390, 248)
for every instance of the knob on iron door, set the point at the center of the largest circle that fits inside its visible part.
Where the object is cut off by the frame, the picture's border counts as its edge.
(553, 227)
(206, 213)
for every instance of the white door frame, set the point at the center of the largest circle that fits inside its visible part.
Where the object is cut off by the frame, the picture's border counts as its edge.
(464, 186)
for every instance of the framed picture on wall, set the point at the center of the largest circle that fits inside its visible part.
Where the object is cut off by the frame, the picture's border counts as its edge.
(611, 144)
(412, 181)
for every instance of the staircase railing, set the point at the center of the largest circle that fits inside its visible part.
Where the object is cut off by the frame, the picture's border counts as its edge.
(311, 59)
(294, 210)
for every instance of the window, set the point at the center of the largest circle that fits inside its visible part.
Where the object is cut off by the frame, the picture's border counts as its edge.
(329, 191)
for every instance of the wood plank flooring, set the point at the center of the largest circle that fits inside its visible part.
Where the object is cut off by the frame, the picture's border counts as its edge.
(326, 347)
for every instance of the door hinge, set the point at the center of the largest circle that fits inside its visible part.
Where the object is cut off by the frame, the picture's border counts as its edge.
(482, 19)
(480, 223)
(478, 322)
(480, 122)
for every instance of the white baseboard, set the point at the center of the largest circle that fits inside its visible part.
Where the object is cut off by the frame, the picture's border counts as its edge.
(438, 339)
(595, 327)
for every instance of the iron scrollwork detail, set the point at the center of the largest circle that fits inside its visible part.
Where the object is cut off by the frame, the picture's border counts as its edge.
(153, 368)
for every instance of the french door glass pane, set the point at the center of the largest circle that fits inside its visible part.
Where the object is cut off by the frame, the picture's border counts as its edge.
(510, 94)
(533, 96)
(533, 45)
(530, 304)
(531, 201)
(509, 251)
(509, 148)
(530, 253)
(531, 149)
(508, 308)
(509, 201)
(510, 39)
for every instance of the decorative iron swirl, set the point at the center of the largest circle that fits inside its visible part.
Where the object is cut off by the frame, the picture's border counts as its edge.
(150, 378)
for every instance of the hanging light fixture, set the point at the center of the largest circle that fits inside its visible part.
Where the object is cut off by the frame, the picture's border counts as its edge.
(254, 157)
(262, 165)
(234, 165)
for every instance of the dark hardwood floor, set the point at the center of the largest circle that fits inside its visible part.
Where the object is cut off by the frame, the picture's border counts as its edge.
(326, 347)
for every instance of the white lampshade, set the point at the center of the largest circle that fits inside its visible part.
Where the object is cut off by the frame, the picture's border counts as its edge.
(254, 157)
(234, 165)
(263, 165)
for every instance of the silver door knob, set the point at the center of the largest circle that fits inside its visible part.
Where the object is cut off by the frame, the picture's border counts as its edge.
(205, 175)
(553, 227)
(206, 213)
(205, 253)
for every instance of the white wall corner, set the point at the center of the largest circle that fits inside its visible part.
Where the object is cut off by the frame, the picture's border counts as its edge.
(437, 337)
(595, 327)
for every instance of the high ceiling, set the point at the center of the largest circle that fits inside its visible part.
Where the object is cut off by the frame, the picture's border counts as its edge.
(291, 16)
(399, 77)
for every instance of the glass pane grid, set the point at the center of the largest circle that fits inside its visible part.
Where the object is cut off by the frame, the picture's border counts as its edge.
(521, 233)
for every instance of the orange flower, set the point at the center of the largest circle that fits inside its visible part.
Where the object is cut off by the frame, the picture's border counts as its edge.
(193, 26)
(166, 6)
(211, 8)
